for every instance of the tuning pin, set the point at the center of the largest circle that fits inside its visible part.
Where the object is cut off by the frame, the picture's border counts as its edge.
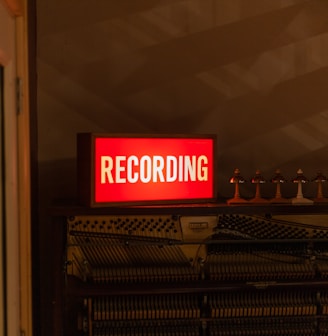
(278, 179)
(320, 179)
(258, 179)
(236, 179)
(300, 179)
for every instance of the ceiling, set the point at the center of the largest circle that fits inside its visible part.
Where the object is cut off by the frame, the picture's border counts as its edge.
(254, 72)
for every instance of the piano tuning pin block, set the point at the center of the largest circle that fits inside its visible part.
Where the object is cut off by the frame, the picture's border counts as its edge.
(258, 180)
(278, 179)
(300, 179)
(237, 179)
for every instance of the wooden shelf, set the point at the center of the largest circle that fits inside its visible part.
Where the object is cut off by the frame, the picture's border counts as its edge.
(198, 209)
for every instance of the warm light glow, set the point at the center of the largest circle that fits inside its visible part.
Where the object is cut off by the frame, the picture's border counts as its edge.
(153, 169)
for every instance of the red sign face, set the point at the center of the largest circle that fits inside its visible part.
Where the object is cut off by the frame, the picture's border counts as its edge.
(153, 169)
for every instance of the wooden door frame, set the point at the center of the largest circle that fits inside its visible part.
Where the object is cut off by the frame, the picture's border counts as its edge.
(15, 7)
(18, 9)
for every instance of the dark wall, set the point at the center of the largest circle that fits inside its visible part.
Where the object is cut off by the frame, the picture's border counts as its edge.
(254, 72)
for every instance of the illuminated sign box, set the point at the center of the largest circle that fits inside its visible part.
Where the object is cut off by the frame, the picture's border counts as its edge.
(143, 169)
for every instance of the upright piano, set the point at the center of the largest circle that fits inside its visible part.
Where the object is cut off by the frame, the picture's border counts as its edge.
(196, 269)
